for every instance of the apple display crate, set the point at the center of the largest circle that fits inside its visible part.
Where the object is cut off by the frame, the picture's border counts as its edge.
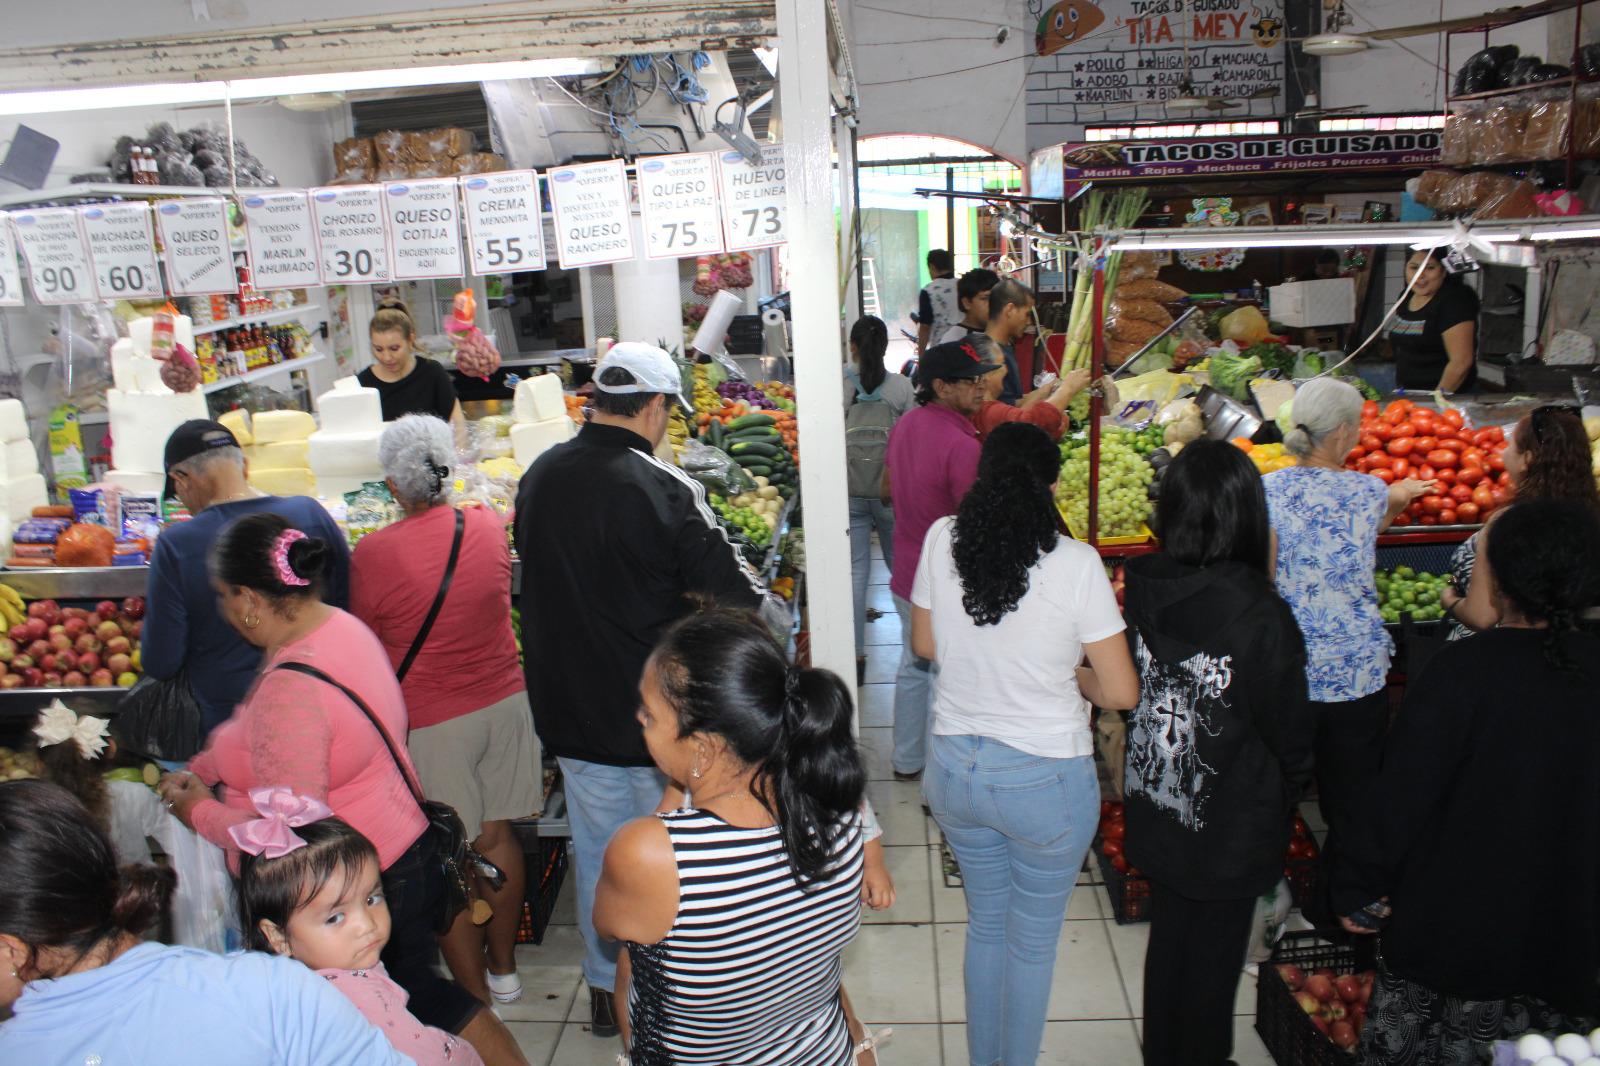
(1287, 1031)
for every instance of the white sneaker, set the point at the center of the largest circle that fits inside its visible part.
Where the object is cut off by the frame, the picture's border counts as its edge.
(505, 987)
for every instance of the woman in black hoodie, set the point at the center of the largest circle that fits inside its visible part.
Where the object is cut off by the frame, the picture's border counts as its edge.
(1219, 747)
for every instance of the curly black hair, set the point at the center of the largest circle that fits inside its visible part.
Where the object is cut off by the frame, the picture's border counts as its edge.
(1007, 520)
(1541, 553)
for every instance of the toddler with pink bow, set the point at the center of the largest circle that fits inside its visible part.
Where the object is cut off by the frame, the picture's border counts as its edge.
(309, 888)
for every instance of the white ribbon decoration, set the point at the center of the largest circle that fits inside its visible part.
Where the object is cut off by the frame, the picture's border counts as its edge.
(59, 723)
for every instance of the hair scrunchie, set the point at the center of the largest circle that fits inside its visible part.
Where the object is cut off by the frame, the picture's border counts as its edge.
(280, 558)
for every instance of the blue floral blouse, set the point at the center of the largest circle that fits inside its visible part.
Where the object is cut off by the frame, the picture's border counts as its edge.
(1327, 525)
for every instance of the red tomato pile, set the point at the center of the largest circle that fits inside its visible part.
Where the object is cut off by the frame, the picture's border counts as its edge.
(1113, 830)
(1406, 441)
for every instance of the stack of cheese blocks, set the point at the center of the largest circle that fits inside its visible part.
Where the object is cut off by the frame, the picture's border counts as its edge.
(24, 485)
(344, 452)
(143, 410)
(541, 418)
(275, 444)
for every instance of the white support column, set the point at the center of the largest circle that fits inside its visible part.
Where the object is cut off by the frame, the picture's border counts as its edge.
(803, 80)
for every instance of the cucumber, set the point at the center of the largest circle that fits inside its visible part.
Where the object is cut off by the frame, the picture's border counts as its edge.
(759, 471)
(750, 421)
(715, 436)
(744, 447)
(760, 435)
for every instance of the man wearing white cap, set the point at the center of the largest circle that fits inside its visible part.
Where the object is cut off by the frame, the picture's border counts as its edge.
(616, 545)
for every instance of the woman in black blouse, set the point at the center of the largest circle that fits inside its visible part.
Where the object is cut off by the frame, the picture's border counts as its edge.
(1434, 337)
(406, 384)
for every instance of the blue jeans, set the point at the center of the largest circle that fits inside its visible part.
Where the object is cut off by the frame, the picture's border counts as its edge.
(865, 516)
(1019, 825)
(913, 700)
(600, 800)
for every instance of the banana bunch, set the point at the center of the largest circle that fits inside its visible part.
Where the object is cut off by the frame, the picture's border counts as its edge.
(705, 394)
(677, 430)
(12, 609)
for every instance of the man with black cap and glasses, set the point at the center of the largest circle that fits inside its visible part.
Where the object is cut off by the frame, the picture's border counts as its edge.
(616, 545)
(206, 472)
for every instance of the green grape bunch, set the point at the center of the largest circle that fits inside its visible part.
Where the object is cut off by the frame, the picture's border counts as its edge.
(1125, 478)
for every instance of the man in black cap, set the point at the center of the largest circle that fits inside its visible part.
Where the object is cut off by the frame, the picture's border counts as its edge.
(932, 461)
(206, 471)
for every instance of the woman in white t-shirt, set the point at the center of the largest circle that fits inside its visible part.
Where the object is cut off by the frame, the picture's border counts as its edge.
(1008, 608)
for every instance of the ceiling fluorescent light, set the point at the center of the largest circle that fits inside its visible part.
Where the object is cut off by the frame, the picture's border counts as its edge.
(1224, 240)
(173, 93)
(1335, 44)
(1574, 234)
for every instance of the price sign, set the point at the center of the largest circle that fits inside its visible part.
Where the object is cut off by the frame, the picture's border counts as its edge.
(122, 249)
(504, 227)
(10, 274)
(594, 220)
(754, 206)
(282, 239)
(57, 257)
(678, 201)
(352, 248)
(424, 223)
(199, 256)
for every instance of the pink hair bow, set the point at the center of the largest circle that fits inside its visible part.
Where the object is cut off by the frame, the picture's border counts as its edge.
(272, 836)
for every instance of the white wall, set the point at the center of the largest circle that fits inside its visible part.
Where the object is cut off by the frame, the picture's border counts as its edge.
(934, 67)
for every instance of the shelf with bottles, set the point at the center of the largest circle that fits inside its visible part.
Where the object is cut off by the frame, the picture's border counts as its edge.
(229, 354)
(213, 314)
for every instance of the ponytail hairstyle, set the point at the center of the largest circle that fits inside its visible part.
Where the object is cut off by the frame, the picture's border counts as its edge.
(1555, 453)
(60, 887)
(871, 338)
(1319, 408)
(264, 553)
(1007, 520)
(271, 890)
(725, 676)
(393, 317)
(1541, 552)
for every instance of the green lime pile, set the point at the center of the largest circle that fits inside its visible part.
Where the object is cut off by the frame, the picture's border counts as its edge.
(1403, 591)
(744, 520)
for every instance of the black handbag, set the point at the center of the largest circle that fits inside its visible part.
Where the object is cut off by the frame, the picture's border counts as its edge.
(452, 849)
(159, 719)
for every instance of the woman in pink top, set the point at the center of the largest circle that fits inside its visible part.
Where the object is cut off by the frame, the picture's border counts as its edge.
(471, 726)
(301, 733)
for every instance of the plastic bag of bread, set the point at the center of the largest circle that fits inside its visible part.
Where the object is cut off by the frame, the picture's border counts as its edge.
(1134, 331)
(451, 141)
(1469, 191)
(481, 163)
(1460, 135)
(1586, 122)
(1119, 352)
(1137, 266)
(1545, 135)
(1514, 202)
(354, 153)
(393, 171)
(355, 177)
(1499, 138)
(1431, 186)
(390, 147)
(85, 545)
(1143, 310)
(1150, 289)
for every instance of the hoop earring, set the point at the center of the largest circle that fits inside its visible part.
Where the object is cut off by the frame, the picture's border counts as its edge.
(251, 623)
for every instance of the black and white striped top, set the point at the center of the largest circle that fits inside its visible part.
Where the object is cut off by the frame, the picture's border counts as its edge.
(749, 972)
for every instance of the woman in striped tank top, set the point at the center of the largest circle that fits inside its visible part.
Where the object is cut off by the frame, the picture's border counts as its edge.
(734, 908)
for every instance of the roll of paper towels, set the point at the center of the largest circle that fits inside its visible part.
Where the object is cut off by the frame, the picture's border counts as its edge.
(719, 316)
(774, 329)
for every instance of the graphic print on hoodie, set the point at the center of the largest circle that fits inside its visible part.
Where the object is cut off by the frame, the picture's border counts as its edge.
(1164, 730)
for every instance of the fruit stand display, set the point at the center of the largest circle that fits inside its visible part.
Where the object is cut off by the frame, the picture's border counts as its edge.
(70, 633)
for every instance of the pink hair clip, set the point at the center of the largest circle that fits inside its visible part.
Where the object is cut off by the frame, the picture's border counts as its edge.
(280, 558)
(272, 836)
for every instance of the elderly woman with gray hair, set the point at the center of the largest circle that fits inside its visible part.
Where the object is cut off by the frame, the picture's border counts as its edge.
(436, 589)
(1326, 520)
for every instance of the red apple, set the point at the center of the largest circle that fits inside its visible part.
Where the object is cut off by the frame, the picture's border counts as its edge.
(3, 670)
(1348, 987)
(119, 646)
(1292, 976)
(106, 609)
(32, 676)
(73, 679)
(1335, 1010)
(106, 630)
(19, 633)
(40, 608)
(75, 627)
(102, 679)
(69, 613)
(39, 649)
(133, 607)
(37, 627)
(57, 628)
(127, 680)
(137, 630)
(22, 662)
(67, 660)
(1343, 1034)
(89, 661)
(47, 662)
(11, 681)
(1321, 1023)
(61, 642)
(1320, 986)
(51, 680)
(88, 642)
(120, 663)
(1308, 1003)
(8, 649)
(1357, 1016)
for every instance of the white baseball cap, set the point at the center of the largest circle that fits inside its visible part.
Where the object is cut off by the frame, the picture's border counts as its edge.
(652, 368)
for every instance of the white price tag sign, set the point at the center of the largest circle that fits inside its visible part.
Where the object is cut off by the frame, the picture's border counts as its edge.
(504, 227)
(10, 273)
(57, 256)
(594, 217)
(678, 201)
(352, 248)
(123, 251)
(199, 257)
(754, 207)
(282, 239)
(424, 222)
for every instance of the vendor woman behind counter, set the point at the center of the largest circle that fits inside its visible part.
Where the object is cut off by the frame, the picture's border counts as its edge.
(406, 384)
(1434, 337)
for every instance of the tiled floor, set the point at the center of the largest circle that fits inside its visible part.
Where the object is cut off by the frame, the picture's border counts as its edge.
(904, 969)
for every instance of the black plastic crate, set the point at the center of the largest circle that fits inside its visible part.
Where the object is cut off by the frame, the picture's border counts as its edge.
(1130, 894)
(547, 869)
(1291, 1038)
